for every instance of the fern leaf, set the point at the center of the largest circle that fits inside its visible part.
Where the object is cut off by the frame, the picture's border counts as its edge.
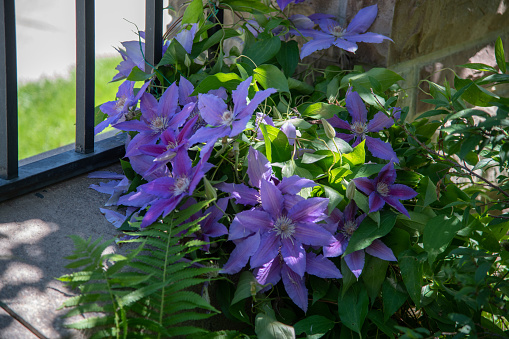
(92, 322)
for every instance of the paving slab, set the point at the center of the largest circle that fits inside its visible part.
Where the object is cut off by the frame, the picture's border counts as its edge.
(34, 239)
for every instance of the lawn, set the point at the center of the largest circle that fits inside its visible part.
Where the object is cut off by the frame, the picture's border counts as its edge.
(46, 108)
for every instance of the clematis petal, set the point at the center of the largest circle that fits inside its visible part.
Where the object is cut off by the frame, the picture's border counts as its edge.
(290, 131)
(387, 174)
(363, 19)
(295, 287)
(367, 37)
(294, 184)
(241, 193)
(394, 202)
(346, 45)
(313, 234)
(160, 187)
(240, 255)
(380, 149)
(380, 250)
(240, 94)
(294, 256)
(258, 168)
(168, 102)
(402, 192)
(379, 122)
(259, 97)
(336, 248)
(272, 198)
(339, 123)
(364, 185)
(321, 267)
(186, 36)
(186, 88)
(309, 210)
(211, 109)
(375, 202)
(115, 218)
(315, 45)
(269, 273)
(268, 249)
(355, 262)
(255, 220)
(356, 107)
(350, 211)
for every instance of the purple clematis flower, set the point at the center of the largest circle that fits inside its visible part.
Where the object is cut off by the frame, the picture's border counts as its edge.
(333, 34)
(156, 117)
(276, 269)
(383, 190)
(117, 110)
(347, 224)
(282, 226)
(283, 3)
(359, 127)
(287, 128)
(225, 122)
(169, 191)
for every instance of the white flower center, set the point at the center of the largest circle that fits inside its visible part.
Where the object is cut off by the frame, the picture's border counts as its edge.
(227, 118)
(359, 128)
(349, 227)
(171, 145)
(119, 106)
(181, 185)
(382, 188)
(284, 227)
(159, 124)
(337, 31)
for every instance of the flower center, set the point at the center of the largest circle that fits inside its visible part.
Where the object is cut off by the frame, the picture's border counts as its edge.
(181, 185)
(284, 227)
(171, 145)
(349, 227)
(159, 124)
(227, 118)
(382, 188)
(337, 31)
(119, 106)
(359, 128)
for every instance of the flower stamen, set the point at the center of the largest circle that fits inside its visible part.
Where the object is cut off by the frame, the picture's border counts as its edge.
(360, 128)
(159, 124)
(284, 227)
(382, 188)
(181, 185)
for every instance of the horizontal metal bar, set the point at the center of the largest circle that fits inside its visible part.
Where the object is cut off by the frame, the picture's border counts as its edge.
(8, 92)
(56, 168)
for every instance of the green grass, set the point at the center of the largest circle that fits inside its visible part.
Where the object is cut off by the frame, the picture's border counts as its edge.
(46, 108)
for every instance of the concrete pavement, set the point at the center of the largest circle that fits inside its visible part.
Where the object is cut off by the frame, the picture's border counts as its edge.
(34, 231)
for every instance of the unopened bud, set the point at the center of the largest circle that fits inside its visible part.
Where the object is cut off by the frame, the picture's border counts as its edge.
(210, 191)
(330, 132)
(187, 61)
(350, 190)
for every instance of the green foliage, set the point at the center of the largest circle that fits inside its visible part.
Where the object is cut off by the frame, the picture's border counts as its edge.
(149, 291)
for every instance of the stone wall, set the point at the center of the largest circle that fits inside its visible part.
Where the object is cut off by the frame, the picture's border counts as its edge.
(430, 37)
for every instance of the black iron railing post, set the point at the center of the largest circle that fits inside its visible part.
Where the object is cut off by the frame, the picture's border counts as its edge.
(153, 32)
(8, 92)
(85, 75)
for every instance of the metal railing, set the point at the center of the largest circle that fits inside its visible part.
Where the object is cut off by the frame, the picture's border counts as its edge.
(17, 178)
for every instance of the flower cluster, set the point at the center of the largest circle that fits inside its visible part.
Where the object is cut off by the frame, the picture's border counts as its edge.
(277, 212)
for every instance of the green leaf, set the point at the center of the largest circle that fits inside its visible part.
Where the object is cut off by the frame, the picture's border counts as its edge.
(288, 57)
(394, 295)
(251, 6)
(432, 113)
(480, 67)
(373, 275)
(175, 54)
(368, 231)
(315, 325)
(276, 144)
(475, 95)
(320, 110)
(499, 55)
(353, 307)
(334, 197)
(215, 38)
(319, 287)
(438, 234)
(428, 191)
(247, 287)
(261, 51)
(193, 12)
(229, 81)
(269, 76)
(385, 77)
(358, 156)
(300, 86)
(267, 327)
(138, 75)
(411, 266)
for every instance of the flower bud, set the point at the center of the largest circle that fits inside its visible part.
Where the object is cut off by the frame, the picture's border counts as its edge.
(330, 132)
(187, 61)
(210, 191)
(350, 190)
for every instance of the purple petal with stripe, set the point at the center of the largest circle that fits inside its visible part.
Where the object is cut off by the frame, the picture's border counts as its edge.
(241, 193)
(337, 248)
(313, 234)
(259, 168)
(356, 107)
(294, 256)
(363, 19)
(255, 220)
(368, 37)
(346, 45)
(268, 249)
(394, 202)
(379, 122)
(272, 199)
(355, 262)
(402, 192)
(240, 94)
(115, 218)
(294, 184)
(387, 174)
(339, 123)
(380, 149)
(295, 287)
(315, 45)
(375, 202)
(269, 273)
(380, 250)
(364, 185)
(211, 109)
(309, 210)
(240, 255)
(321, 267)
